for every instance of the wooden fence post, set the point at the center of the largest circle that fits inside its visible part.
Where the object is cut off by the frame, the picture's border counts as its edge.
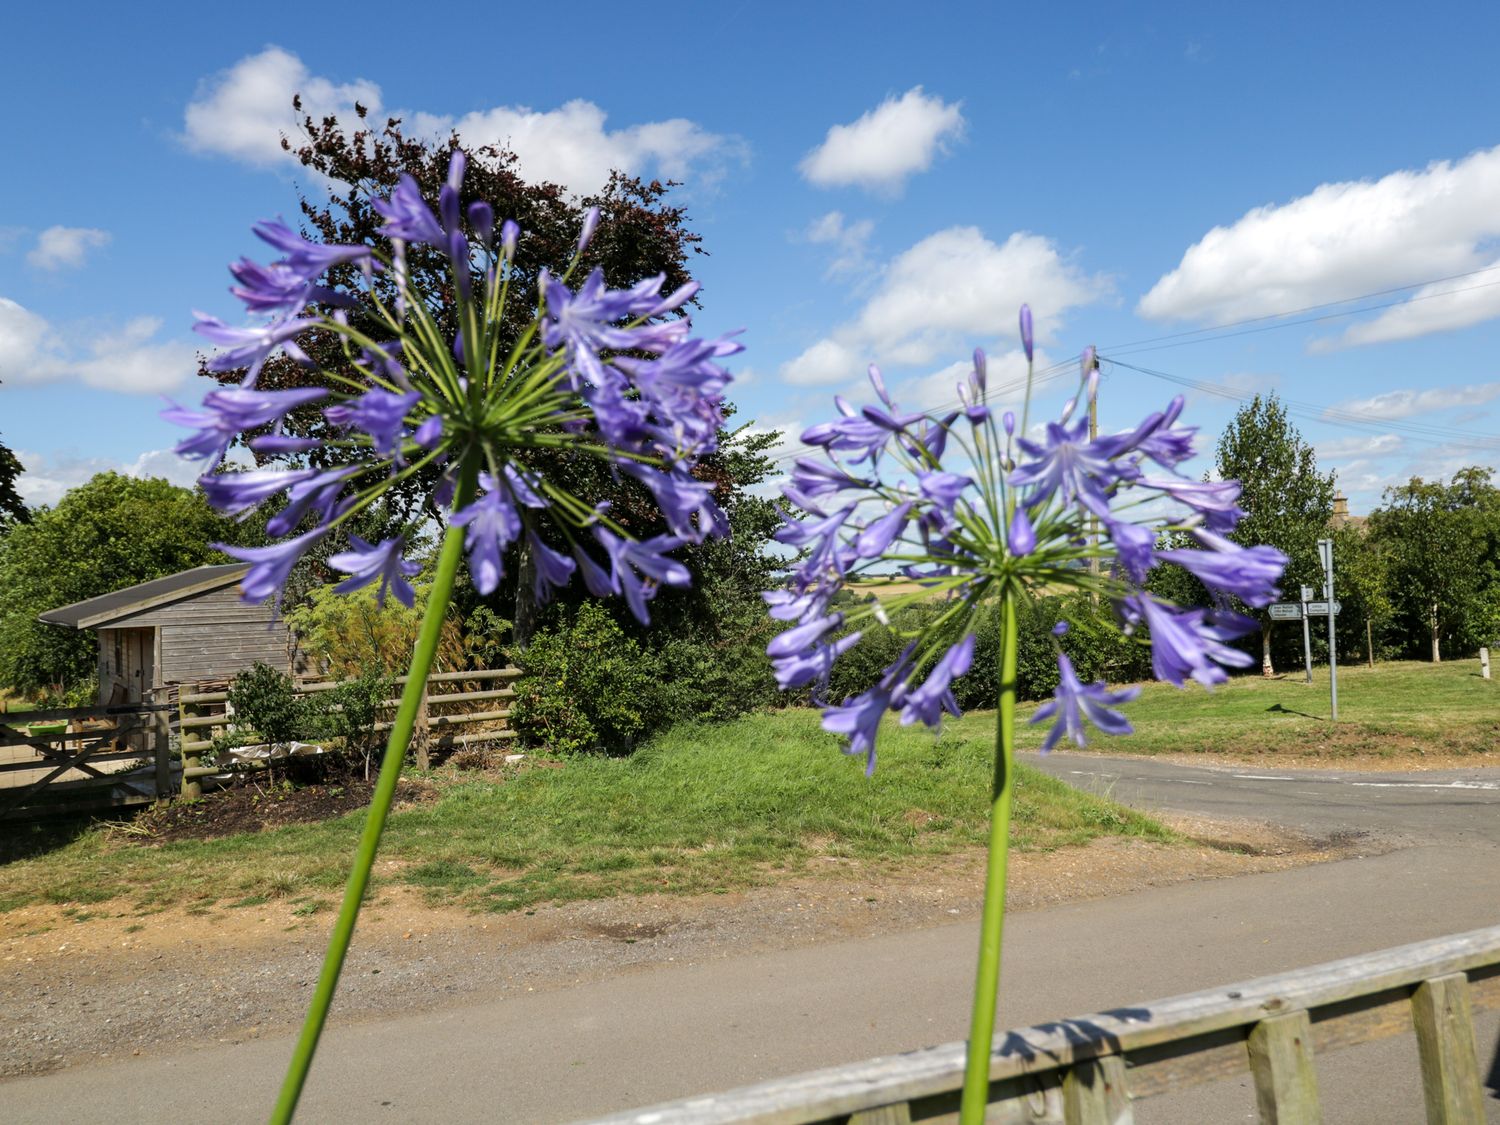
(1281, 1061)
(191, 786)
(421, 735)
(1444, 1022)
(161, 725)
(1094, 1093)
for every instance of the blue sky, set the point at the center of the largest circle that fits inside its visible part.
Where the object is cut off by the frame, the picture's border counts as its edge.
(874, 182)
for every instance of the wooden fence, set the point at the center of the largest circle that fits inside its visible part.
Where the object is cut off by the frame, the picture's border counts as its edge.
(1088, 1071)
(102, 758)
(205, 712)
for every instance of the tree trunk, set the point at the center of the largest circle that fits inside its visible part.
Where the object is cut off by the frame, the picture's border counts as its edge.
(1265, 650)
(1437, 656)
(524, 625)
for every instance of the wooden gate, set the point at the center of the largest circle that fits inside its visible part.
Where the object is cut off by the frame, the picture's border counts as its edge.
(75, 759)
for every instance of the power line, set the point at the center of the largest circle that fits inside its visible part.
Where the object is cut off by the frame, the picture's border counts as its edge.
(1333, 416)
(1222, 331)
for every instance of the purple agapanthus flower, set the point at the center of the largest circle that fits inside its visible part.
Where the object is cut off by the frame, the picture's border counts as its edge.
(379, 413)
(1075, 701)
(270, 567)
(1017, 517)
(378, 563)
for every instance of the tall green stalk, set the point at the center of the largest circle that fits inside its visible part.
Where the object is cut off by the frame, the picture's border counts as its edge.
(380, 806)
(992, 925)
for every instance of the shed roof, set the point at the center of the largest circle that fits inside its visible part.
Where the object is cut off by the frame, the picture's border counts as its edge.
(100, 611)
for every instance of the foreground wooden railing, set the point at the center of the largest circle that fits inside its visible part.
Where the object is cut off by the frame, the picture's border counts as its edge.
(1088, 1071)
(196, 717)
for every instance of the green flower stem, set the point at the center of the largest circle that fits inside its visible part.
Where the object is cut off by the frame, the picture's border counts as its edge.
(992, 925)
(380, 806)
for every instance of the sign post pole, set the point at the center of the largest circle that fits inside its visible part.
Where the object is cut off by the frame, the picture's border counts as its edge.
(1325, 550)
(1307, 593)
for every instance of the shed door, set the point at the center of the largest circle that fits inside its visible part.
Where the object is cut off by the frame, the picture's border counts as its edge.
(130, 655)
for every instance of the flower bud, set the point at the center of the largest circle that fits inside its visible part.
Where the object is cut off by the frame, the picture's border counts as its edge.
(482, 219)
(1022, 537)
(590, 225)
(510, 234)
(1026, 338)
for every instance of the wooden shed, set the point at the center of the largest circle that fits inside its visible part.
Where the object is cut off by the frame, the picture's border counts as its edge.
(183, 628)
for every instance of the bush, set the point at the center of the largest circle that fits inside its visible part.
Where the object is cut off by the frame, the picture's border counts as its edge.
(715, 679)
(586, 686)
(264, 701)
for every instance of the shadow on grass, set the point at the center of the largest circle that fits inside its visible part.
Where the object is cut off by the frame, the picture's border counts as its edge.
(1278, 709)
(35, 836)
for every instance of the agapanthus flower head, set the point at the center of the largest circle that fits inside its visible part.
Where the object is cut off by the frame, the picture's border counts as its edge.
(604, 373)
(949, 506)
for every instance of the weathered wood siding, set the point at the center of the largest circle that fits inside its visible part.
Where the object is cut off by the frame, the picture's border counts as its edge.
(127, 665)
(213, 635)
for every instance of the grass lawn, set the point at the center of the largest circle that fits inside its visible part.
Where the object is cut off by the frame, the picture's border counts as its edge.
(699, 809)
(1397, 710)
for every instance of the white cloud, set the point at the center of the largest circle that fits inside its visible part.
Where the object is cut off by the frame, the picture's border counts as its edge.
(886, 145)
(1441, 307)
(1342, 240)
(1405, 403)
(48, 476)
(1374, 445)
(850, 242)
(130, 360)
(59, 247)
(941, 296)
(1005, 380)
(244, 111)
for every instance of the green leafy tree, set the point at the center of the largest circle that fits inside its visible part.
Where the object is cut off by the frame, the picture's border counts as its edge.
(12, 509)
(110, 533)
(1287, 502)
(640, 235)
(1441, 541)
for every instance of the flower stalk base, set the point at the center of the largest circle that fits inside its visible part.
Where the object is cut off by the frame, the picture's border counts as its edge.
(380, 807)
(992, 924)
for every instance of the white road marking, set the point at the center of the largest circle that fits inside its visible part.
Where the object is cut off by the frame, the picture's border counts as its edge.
(1428, 784)
(1262, 777)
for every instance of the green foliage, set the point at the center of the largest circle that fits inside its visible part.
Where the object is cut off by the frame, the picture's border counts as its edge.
(715, 678)
(586, 687)
(1287, 503)
(1442, 548)
(112, 532)
(264, 701)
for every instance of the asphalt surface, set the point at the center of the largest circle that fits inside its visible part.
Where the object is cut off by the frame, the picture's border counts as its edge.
(667, 1032)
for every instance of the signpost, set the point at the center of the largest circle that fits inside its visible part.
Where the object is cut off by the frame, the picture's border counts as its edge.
(1307, 593)
(1330, 607)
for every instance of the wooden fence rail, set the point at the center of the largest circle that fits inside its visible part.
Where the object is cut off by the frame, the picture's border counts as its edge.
(80, 767)
(1088, 1071)
(192, 717)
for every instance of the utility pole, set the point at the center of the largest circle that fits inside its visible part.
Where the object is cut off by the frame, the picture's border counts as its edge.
(1325, 551)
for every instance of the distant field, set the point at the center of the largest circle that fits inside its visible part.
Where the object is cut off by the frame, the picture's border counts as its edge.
(884, 588)
(1397, 710)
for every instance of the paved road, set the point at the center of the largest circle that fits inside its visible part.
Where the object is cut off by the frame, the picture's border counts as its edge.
(1438, 806)
(682, 1029)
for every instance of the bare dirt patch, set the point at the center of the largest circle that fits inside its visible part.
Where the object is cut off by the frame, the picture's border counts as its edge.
(104, 980)
(252, 807)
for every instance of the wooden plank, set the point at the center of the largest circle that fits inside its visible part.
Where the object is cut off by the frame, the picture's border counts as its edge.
(14, 798)
(38, 741)
(1162, 1033)
(98, 711)
(309, 686)
(1444, 1023)
(1281, 1062)
(1094, 1093)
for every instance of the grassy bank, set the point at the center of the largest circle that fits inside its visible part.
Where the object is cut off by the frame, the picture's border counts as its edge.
(698, 810)
(1395, 710)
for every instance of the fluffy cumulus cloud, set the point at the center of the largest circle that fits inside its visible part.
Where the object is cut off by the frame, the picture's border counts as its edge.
(48, 476)
(1405, 403)
(1345, 239)
(244, 112)
(65, 247)
(130, 360)
(939, 298)
(1360, 446)
(897, 138)
(848, 241)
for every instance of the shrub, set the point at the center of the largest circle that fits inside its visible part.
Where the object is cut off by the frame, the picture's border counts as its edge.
(715, 678)
(263, 700)
(585, 686)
